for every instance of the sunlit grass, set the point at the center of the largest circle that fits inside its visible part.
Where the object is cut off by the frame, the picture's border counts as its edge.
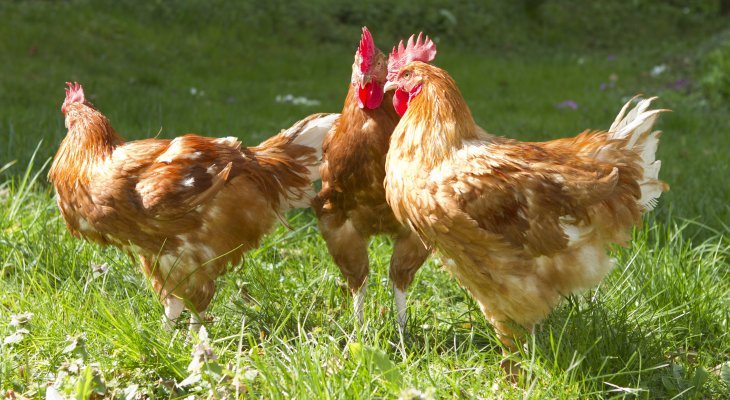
(657, 327)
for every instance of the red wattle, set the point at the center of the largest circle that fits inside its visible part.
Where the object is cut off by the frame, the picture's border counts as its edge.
(400, 101)
(370, 96)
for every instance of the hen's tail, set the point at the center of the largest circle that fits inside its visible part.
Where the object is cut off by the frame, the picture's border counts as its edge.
(293, 157)
(635, 128)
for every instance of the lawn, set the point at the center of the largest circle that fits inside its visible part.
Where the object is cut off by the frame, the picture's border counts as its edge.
(82, 321)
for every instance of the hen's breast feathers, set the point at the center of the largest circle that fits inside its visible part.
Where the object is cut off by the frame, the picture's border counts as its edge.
(354, 152)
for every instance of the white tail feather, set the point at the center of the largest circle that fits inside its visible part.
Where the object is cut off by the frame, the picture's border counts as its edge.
(651, 171)
(648, 151)
(650, 192)
(618, 128)
(310, 132)
(636, 128)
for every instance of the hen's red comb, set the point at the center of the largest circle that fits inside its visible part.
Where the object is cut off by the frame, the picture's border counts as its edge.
(74, 93)
(420, 50)
(366, 50)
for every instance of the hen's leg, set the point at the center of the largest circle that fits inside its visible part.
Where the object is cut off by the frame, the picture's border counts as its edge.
(173, 305)
(512, 336)
(358, 301)
(349, 249)
(199, 290)
(196, 321)
(409, 253)
(173, 308)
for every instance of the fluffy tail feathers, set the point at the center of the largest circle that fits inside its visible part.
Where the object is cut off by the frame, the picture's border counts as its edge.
(293, 158)
(310, 132)
(635, 129)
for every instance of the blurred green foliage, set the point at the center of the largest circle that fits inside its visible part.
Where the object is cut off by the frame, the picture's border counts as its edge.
(716, 78)
(475, 24)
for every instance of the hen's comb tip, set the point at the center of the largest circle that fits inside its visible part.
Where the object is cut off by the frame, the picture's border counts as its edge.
(366, 50)
(417, 48)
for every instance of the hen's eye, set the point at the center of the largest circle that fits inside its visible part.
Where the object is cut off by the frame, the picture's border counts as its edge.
(407, 74)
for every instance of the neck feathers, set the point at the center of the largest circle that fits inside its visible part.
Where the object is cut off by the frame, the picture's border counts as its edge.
(90, 141)
(437, 122)
(354, 120)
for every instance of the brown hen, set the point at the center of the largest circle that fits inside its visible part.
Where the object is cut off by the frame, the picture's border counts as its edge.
(519, 224)
(187, 207)
(351, 206)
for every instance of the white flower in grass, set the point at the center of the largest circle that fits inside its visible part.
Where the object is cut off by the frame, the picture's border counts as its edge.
(415, 394)
(16, 337)
(658, 70)
(53, 394)
(98, 270)
(19, 333)
(296, 100)
(131, 392)
(196, 92)
(202, 353)
(20, 319)
(76, 345)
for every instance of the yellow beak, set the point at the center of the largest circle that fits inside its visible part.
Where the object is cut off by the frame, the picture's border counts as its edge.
(389, 86)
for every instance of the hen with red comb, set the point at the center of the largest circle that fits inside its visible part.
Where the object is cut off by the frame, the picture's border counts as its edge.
(186, 207)
(351, 206)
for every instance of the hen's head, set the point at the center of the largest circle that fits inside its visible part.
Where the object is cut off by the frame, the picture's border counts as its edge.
(408, 85)
(74, 94)
(369, 72)
(417, 77)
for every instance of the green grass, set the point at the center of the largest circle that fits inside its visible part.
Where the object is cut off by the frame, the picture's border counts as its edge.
(283, 324)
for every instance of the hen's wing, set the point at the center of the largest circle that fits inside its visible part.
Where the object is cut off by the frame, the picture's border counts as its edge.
(522, 194)
(168, 179)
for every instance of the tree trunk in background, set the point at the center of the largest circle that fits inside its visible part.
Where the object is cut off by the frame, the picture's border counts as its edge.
(725, 7)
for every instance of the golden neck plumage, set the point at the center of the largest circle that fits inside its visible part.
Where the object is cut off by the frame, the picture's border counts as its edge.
(436, 123)
(90, 140)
